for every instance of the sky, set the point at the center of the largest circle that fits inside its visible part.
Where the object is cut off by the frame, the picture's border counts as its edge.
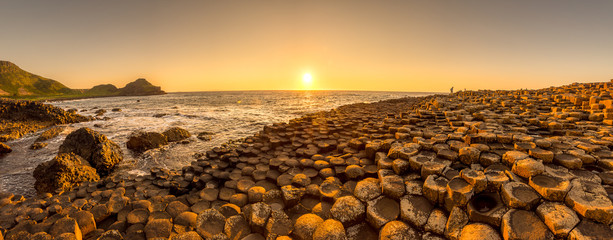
(199, 45)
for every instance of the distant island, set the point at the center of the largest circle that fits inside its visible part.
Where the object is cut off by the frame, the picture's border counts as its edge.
(19, 84)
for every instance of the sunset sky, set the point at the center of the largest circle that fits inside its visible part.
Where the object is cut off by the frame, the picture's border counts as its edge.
(344, 45)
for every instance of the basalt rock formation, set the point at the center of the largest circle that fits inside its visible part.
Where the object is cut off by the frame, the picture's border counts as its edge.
(19, 117)
(101, 153)
(62, 173)
(526, 164)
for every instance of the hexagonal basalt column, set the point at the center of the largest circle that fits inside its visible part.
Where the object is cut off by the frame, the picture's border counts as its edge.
(522, 224)
(434, 188)
(558, 217)
(486, 208)
(551, 188)
(459, 191)
(519, 195)
(591, 201)
(475, 178)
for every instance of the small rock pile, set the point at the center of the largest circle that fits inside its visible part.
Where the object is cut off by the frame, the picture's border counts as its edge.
(526, 164)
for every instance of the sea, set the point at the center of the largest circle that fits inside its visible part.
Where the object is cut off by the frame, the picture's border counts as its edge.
(229, 115)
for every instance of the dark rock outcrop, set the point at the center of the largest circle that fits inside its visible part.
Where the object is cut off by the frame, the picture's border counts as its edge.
(140, 87)
(62, 173)
(4, 148)
(176, 134)
(143, 141)
(102, 153)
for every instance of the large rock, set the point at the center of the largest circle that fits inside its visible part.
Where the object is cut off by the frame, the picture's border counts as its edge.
(210, 223)
(62, 173)
(397, 230)
(143, 141)
(479, 231)
(330, 229)
(176, 134)
(5, 148)
(102, 153)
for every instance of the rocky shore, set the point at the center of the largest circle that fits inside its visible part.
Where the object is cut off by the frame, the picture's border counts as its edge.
(526, 164)
(19, 117)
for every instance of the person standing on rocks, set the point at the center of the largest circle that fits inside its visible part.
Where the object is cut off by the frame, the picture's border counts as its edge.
(451, 90)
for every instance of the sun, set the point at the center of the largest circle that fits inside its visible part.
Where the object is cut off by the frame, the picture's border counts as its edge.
(307, 78)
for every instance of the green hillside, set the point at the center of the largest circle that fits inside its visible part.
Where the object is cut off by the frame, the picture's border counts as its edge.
(16, 82)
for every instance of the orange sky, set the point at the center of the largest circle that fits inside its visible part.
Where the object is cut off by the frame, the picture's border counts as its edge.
(345, 45)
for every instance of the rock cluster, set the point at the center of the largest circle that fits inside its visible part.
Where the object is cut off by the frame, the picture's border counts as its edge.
(19, 117)
(143, 141)
(527, 164)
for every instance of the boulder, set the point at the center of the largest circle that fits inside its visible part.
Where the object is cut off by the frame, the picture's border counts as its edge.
(101, 153)
(62, 173)
(143, 141)
(559, 218)
(176, 134)
(5, 149)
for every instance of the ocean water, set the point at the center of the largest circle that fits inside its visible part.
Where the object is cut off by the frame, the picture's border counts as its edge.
(229, 115)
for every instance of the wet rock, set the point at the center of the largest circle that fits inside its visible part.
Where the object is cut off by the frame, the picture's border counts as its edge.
(590, 230)
(397, 230)
(101, 153)
(236, 227)
(143, 141)
(37, 145)
(522, 224)
(210, 222)
(50, 133)
(558, 218)
(4, 149)
(158, 228)
(519, 195)
(330, 229)
(479, 231)
(62, 173)
(348, 209)
(305, 226)
(176, 134)
(551, 188)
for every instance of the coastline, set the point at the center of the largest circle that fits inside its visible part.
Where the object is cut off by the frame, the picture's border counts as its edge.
(394, 168)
